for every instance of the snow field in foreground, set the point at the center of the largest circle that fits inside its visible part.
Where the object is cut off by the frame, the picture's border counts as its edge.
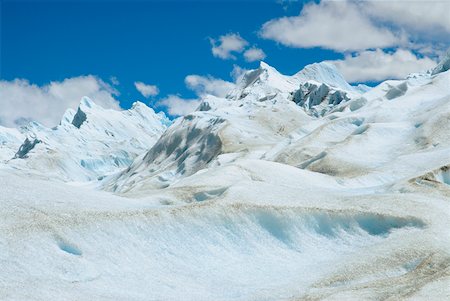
(202, 252)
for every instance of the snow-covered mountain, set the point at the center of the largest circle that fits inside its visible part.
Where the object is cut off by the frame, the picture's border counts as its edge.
(291, 188)
(88, 143)
(265, 107)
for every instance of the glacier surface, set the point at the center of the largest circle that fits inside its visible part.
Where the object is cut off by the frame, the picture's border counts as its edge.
(294, 187)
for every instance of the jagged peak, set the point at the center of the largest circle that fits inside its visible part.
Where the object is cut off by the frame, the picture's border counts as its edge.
(138, 104)
(67, 117)
(265, 75)
(87, 104)
(267, 67)
(145, 110)
(142, 108)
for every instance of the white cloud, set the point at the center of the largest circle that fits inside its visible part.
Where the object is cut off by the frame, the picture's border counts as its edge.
(337, 25)
(424, 17)
(177, 106)
(378, 65)
(146, 90)
(22, 101)
(227, 44)
(254, 54)
(202, 85)
(355, 25)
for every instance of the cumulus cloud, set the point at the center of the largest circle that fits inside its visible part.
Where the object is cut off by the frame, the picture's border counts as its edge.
(377, 65)
(177, 106)
(22, 101)
(337, 25)
(146, 90)
(416, 17)
(254, 54)
(227, 44)
(202, 85)
(354, 25)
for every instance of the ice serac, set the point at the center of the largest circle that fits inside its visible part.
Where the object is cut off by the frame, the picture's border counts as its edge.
(443, 66)
(322, 88)
(90, 142)
(318, 99)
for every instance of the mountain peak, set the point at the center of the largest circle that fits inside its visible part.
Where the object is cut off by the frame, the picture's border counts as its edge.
(87, 104)
(265, 66)
(324, 72)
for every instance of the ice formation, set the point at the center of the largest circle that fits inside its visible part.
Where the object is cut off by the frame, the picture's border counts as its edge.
(294, 187)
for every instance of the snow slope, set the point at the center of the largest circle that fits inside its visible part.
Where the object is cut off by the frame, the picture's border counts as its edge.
(252, 197)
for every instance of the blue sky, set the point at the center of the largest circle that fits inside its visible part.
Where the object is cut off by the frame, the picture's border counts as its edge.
(159, 43)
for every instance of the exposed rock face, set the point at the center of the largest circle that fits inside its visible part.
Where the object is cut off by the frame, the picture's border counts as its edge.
(318, 99)
(26, 147)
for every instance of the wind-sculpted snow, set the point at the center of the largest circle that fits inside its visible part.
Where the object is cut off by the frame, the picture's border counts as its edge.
(90, 143)
(95, 245)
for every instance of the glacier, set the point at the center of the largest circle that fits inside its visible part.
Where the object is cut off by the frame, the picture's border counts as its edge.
(89, 143)
(298, 187)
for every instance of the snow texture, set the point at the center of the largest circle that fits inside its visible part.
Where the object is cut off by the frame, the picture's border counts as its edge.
(294, 187)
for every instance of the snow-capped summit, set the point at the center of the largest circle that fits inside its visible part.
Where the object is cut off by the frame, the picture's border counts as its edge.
(266, 82)
(263, 82)
(325, 73)
(89, 142)
(199, 139)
